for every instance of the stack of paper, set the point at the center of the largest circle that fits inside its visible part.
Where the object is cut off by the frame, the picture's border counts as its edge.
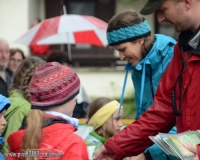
(172, 144)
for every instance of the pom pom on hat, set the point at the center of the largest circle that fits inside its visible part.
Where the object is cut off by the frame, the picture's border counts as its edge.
(52, 85)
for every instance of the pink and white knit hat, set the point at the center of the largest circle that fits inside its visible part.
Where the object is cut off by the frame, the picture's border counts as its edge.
(52, 85)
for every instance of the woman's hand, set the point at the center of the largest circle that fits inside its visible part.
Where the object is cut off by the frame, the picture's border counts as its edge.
(102, 154)
(192, 149)
(139, 157)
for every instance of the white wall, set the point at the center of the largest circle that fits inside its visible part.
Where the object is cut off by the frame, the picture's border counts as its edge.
(13, 20)
(36, 10)
(16, 17)
(107, 84)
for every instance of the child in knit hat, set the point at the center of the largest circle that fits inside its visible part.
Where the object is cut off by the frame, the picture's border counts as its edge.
(103, 117)
(48, 129)
(4, 104)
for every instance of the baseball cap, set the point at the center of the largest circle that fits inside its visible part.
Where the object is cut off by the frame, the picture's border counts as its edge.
(151, 6)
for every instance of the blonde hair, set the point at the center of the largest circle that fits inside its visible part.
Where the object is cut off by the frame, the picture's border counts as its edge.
(130, 18)
(32, 137)
(24, 74)
(93, 108)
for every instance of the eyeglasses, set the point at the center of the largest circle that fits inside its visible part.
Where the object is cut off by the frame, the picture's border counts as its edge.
(176, 111)
(15, 60)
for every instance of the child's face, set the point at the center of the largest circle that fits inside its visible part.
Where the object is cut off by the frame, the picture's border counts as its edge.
(2, 121)
(114, 123)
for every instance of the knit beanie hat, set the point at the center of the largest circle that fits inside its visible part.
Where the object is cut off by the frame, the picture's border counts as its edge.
(52, 85)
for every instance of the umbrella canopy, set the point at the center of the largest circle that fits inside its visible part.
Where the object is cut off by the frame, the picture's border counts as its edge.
(67, 29)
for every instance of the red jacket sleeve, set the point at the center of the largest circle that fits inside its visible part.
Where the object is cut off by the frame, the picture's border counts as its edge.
(198, 150)
(134, 139)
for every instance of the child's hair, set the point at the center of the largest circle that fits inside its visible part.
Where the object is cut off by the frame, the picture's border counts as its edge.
(96, 105)
(93, 108)
(24, 73)
(32, 136)
(130, 18)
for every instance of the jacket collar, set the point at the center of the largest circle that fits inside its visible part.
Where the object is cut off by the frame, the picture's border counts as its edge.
(49, 120)
(190, 41)
(101, 139)
(16, 93)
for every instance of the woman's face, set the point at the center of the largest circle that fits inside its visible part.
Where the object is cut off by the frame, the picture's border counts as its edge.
(2, 121)
(130, 51)
(15, 61)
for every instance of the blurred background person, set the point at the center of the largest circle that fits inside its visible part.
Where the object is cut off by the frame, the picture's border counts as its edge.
(5, 76)
(16, 57)
(82, 99)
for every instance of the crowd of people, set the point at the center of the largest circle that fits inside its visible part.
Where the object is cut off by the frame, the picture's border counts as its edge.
(41, 99)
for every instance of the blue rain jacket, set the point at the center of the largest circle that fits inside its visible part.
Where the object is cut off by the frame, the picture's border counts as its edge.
(146, 76)
(4, 104)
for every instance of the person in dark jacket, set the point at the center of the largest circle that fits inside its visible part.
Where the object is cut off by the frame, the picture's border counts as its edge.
(177, 98)
(5, 75)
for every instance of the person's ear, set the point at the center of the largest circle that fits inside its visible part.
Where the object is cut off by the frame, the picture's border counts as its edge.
(141, 41)
(188, 4)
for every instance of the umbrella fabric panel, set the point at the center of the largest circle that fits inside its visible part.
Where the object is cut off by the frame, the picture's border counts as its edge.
(44, 30)
(58, 39)
(28, 36)
(74, 23)
(67, 29)
(87, 37)
(97, 22)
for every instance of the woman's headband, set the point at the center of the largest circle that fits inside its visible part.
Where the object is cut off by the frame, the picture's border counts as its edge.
(129, 33)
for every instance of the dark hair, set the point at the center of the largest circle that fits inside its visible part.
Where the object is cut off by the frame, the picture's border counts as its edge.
(14, 50)
(58, 56)
(129, 18)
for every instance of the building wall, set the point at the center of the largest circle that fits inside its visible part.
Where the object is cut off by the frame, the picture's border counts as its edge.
(16, 17)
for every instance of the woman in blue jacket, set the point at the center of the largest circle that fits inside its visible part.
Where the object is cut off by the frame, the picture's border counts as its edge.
(148, 56)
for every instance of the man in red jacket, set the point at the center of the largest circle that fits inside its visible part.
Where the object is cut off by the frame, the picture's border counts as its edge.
(177, 98)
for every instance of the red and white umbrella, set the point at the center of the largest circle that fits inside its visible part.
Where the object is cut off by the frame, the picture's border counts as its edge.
(67, 29)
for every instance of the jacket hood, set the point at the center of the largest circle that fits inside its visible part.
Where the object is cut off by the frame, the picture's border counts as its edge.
(156, 53)
(189, 41)
(4, 103)
(17, 100)
(52, 136)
